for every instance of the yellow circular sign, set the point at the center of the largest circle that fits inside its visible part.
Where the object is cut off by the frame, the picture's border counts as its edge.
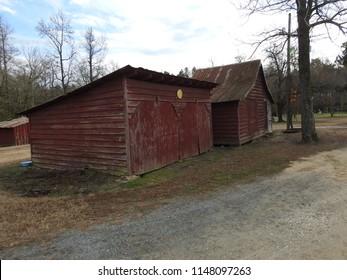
(179, 94)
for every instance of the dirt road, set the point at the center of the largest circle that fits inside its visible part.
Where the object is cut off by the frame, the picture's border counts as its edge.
(300, 213)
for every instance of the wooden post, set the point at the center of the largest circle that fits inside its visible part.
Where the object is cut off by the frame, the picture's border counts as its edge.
(289, 78)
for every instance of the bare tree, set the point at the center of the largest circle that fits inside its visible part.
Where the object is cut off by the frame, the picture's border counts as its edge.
(59, 33)
(112, 66)
(95, 48)
(310, 13)
(324, 80)
(276, 76)
(342, 58)
(27, 75)
(7, 53)
(240, 58)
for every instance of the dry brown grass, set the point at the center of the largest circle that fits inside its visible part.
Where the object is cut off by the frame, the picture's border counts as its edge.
(27, 219)
(79, 200)
(10, 155)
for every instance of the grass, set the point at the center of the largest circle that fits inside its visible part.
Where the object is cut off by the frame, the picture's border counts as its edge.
(328, 115)
(38, 204)
(322, 116)
(31, 181)
(149, 179)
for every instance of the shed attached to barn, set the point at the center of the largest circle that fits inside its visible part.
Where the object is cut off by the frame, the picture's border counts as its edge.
(131, 121)
(14, 132)
(241, 104)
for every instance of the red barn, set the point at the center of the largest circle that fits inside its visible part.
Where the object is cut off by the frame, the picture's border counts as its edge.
(129, 122)
(241, 104)
(14, 132)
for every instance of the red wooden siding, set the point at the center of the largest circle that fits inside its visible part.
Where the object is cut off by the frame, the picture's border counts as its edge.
(240, 103)
(204, 127)
(164, 129)
(154, 138)
(86, 130)
(22, 134)
(225, 123)
(17, 134)
(237, 122)
(252, 113)
(130, 121)
(7, 137)
(189, 137)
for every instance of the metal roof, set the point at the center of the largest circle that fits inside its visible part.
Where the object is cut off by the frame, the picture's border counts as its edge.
(235, 80)
(132, 73)
(14, 123)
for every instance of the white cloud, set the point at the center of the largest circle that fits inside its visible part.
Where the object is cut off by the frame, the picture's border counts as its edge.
(176, 31)
(169, 35)
(7, 9)
(56, 4)
(5, 6)
(89, 20)
(83, 3)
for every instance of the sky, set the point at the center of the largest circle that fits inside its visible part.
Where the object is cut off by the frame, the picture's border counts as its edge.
(161, 35)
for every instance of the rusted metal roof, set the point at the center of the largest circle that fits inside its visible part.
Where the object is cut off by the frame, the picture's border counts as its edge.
(14, 123)
(132, 73)
(235, 80)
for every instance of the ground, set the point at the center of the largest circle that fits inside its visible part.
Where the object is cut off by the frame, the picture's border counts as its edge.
(14, 154)
(228, 203)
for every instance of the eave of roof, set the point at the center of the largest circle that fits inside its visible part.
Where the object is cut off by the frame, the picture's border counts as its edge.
(14, 123)
(132, 73)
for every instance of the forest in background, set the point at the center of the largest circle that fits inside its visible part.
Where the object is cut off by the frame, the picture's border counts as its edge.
(30, 76)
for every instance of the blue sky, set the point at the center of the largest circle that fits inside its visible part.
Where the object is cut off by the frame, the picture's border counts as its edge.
(157, 34)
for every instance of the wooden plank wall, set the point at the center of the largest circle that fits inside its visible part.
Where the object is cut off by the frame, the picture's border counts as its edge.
(19, 135)
(22, 134)
(252, 113)
(163, 128)
(225, 123)
(6, 137)
(237, 122)
(84, 131)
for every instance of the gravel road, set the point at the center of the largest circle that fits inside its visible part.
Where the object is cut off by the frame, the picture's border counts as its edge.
(300, 213)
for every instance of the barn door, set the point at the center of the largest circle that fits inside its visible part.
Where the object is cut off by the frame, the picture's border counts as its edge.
(188, 133)
(142, 138)
(204, 127)
(153, 136)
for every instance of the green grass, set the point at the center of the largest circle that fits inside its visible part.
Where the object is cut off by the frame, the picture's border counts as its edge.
(328, 115)
(151, 178)
(228, 177)
(323, 116)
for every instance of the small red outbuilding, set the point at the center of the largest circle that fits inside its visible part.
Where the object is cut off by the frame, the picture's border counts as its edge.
(14, 132)
(129, 122)
(241, 104)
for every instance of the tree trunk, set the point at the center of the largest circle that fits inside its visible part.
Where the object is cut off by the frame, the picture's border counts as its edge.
(280, 112)
(91, 78)
(309, 133)
(62, 72)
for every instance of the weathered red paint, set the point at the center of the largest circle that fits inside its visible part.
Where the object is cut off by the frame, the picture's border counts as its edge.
(130, 121)
(14, 132)
(164, 129)
(241, 108)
